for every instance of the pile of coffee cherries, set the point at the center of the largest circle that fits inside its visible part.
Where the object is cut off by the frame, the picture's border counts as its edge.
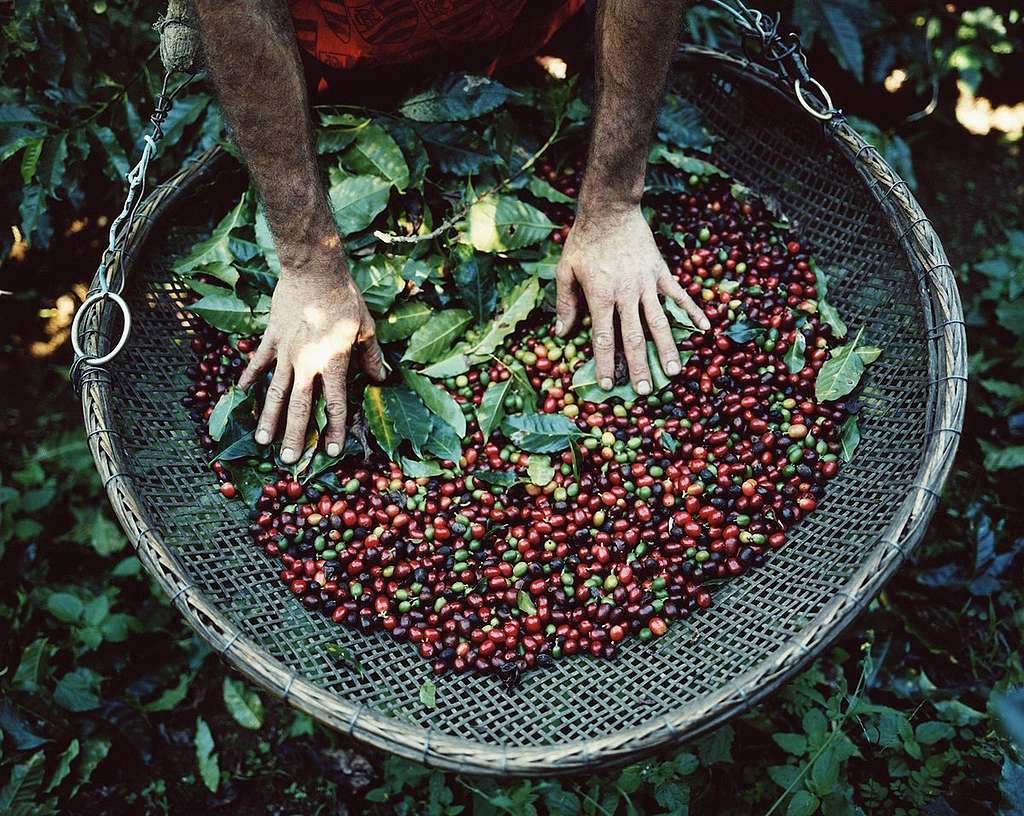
(698, 481)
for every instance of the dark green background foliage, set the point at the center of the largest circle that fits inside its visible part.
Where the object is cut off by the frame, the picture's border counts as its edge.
(110, 705)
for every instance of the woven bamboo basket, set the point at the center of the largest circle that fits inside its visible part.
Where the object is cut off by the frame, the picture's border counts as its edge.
(888, 273)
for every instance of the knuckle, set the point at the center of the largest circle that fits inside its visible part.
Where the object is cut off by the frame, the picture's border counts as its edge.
(300, 402)
(603, 341)
(276, 392)
(658, 323)
(634, 339)
(336, 408)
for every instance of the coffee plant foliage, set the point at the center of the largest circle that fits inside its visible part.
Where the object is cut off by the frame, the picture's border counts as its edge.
(109, 704)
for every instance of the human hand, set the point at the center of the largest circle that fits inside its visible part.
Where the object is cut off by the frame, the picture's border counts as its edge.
(613, 258)
(315, 321)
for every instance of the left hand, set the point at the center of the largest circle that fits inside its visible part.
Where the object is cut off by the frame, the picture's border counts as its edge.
(613, 258)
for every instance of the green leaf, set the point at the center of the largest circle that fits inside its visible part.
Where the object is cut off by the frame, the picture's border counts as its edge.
(542, 189)
(1008, 457)
(795, 744)
(31, 667)
(428, 694)
(408, 414)
(115, 153)
(849, 439)
(540, 469)
(584, 380)
(457, 98)
(540, 433)
(1010, 314)
(30, 160)
(380, 424)
(868, 354)
(520, 302)
(679, 315)
(742, 332)
(416, 469)
(475, 283)
(377, 153)
(841, 372)
(825, 772)
(106, 537)
(243, 704)
(357, 200)
(229, 313)
(827, 312)
(53, 162)
(815, 724)
(681, 123)
(437, 399)
(795, 354)
(63, 769)
(19, 795)
(209, 769)
(265, 241)
(491, 410)
(402, 321)
(170, 698)
(217, 248)
(929, 733)
(433, 339)
(716, 747)
(222, 411)
(498, 223)
(831, 21)
(379, 280)
(94, 751)
(525, 603)
(662, 154)
(65, 607)
(803, 803)
(443, 441)
(501, 478)
(455, 149)
(76, 691)
(784, 775)
(338, 131)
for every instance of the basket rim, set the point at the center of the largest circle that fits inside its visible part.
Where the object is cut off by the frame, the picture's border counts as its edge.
(947, 369)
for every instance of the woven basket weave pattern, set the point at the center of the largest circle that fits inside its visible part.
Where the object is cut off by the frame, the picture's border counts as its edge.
(886, 273)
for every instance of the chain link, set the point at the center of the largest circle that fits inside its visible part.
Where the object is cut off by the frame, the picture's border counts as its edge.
(783, 53)
(111, 279)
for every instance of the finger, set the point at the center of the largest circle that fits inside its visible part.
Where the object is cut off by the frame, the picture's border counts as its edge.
(259, 363)
(299, 406)
(661, 332)
(334, 377)
(566, 300)
(371, 358)
(670, 287)
(277, 396)
(634, 344)
(603, 339)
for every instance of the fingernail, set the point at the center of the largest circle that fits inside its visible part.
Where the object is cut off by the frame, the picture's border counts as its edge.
(333, 449)
(559, 327)
(288, 455)
(705, 323)
(672, 368)
(262, 437)
(606, 384)
(643, 388)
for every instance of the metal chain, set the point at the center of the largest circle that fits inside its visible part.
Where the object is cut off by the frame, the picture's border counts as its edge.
(783, 53)
(111, 285)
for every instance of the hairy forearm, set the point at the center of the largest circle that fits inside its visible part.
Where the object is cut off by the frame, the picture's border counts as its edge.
(635, 42)
(253, 57)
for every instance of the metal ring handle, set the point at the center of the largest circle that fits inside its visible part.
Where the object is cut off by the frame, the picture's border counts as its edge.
(825, 117)
(90, 301)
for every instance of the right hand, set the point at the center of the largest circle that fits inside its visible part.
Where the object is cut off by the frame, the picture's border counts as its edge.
(316, 319)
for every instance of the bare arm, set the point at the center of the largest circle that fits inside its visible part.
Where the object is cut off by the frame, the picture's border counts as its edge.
(318, 314)
(610, 253)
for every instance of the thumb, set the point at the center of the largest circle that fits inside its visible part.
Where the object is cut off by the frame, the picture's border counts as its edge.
(566, 300)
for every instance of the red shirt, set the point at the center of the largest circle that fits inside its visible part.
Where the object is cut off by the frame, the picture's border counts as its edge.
(348, 33)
